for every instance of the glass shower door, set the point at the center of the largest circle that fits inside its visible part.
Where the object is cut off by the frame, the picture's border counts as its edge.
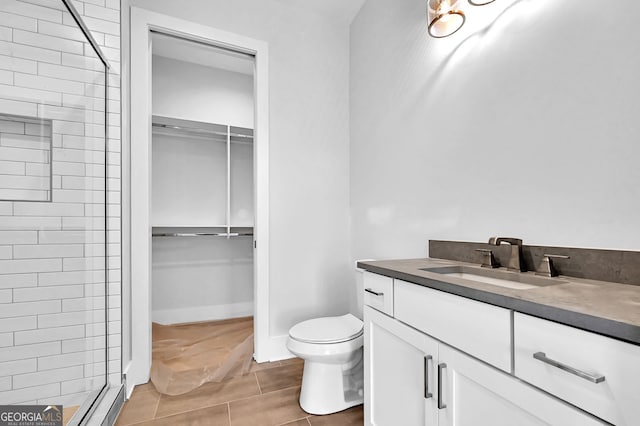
(53, 305)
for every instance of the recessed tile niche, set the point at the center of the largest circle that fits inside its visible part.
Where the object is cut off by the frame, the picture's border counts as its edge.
(25, 158)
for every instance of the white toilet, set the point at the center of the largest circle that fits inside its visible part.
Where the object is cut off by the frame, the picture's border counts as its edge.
(333, 377)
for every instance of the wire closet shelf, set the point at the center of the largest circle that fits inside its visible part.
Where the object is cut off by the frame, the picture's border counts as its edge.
(202, 130)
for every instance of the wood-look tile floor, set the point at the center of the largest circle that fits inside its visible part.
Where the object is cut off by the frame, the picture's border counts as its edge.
(267, 396)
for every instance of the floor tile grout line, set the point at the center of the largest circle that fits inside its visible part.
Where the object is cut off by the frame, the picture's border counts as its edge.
(141, 421)
(273, 391)
(182, 412)
(291, 421)
(137, 423)
(255, 396)
(207, 405)
(155, 410)
(204, 407)
(155, 414)
(212, 405)
(164, 416)
(239, 399)
(258, 382)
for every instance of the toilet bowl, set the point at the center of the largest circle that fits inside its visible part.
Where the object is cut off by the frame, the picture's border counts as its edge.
(333, 376)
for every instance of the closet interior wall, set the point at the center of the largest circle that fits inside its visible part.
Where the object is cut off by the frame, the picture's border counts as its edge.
(202, 183)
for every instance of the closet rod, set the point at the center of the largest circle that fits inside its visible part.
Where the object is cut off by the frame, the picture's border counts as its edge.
(201, 131)
(203, 234)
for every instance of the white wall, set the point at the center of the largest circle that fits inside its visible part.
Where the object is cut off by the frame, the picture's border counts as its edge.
(189, 181)
(308, 69)
(524, 123)
(200, 93)
(189, 174)
(201, 279)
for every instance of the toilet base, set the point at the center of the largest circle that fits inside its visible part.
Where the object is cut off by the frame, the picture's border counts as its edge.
(329, 388)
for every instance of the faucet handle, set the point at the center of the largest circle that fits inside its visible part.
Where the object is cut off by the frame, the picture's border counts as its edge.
(546, 267)
(488, 261)
(496, 241)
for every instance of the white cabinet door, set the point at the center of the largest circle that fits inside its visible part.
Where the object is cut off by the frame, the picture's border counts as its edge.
(400, 387)
(475, 394)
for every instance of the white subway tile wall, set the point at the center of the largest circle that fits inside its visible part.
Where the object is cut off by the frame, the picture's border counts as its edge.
(55, 345)
(25, 150)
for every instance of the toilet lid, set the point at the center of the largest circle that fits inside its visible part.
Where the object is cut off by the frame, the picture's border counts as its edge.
(327, 329)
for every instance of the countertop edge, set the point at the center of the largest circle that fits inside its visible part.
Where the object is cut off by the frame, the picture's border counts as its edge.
(606, 327)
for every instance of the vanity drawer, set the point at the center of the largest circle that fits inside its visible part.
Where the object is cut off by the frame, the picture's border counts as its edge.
(553, 357)
(479, 329)
(378, 292)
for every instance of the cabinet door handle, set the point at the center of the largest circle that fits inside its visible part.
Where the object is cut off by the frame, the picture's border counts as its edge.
(375, 293)
(441, 367)
(427, 394)
(541, 356)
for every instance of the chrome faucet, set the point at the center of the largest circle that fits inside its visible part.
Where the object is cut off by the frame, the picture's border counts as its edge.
(515, 260)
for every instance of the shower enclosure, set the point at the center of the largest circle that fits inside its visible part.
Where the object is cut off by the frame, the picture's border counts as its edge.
(53, 272)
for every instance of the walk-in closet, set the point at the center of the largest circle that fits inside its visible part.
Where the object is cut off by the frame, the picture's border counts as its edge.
(202, 193)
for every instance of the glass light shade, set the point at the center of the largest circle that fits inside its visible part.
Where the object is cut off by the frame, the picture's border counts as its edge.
(444, 17)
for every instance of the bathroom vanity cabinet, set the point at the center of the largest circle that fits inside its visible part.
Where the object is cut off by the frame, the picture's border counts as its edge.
(441, 359)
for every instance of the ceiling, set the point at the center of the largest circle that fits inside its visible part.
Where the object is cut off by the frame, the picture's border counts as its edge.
(342, 11)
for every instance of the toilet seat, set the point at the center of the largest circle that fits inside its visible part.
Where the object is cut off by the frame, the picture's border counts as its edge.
(327, 330)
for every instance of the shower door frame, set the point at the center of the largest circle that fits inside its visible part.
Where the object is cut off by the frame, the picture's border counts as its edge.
(87, 409)
(143, 22)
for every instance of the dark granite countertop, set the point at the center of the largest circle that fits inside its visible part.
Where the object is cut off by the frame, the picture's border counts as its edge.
(606, 308)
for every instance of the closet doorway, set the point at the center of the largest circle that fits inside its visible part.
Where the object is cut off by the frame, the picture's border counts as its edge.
(199, 188)
(201, 182)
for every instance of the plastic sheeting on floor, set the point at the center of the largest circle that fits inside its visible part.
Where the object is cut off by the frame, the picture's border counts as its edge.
(185, 356)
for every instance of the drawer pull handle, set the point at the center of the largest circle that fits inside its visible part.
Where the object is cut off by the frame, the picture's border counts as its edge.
(375, 293)
(541, 356)
(427, 394)
(441, 405)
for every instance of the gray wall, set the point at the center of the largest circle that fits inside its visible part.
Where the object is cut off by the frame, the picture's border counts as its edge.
(523, 123)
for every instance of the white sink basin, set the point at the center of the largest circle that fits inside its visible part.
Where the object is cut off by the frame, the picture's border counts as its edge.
(500, 278)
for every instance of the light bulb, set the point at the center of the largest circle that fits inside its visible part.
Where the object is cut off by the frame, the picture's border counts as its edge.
(444, 17)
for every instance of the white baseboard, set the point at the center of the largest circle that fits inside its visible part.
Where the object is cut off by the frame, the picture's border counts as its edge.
(128, 381)
(278, 348)
(202, 313)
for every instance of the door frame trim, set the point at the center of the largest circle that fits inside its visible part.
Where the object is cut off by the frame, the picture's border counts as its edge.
(142, 23)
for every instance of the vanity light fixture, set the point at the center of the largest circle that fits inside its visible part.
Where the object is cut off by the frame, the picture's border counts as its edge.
(445, 16)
